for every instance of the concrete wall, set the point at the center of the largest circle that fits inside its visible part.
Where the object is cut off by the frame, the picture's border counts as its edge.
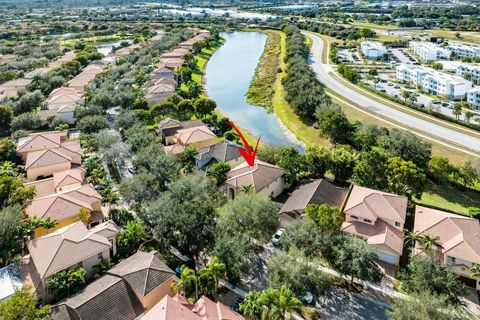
(274, 189)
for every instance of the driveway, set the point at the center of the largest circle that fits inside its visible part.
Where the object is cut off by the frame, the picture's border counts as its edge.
(340, 304)
(444, 133)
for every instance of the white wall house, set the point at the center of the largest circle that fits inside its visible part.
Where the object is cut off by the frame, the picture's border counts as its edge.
(463, 50)
(373, 50)
(472, 69)
(452, 87)
(429, 51)
(473, 98)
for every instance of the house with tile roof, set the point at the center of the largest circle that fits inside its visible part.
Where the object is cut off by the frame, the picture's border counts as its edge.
(224, 151)
(265, 178)
(40, 141)
(378, 217)
(125, 292)
(167, 128)
(72, 245)
(64, 207)
(200, 136)
(61, 181)
(149, 277)
(62, 103)
(159, 92)
(44, 163)
(459, 237)
(319, 191)
(179, 307)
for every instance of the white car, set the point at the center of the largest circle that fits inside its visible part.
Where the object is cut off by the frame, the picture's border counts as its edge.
(276, 236)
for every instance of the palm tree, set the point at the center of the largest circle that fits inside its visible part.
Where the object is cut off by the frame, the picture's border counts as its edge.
(468, 115)
(48, 223)
(132, 236)
(187, 277)
(205, 280)
(475, 270)
(411, 238)
(248, 189)
(217, 270)
(430, 242)
(287, 302)
(457, 110)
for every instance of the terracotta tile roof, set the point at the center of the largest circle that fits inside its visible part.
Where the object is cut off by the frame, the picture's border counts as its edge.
(195, 135)
(459, 235)
(108, 298)
(183, 301)
(144, 271)
(169, 309)
(41, 141)
(64, 178)
(64, 248)
(64, 205)
(174, 149)
(46, 157)
(107, 229)
(168, 123)
(373, 204)
(210, 310)
(260, 175)
(377, 234)
(159, 88)
(65, 95)
(319, 191)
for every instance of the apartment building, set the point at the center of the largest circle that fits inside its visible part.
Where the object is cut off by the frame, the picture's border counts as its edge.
(473, 70)
(464, 51)
(473, 98)
(452, 87)
(429, 51)
(373, 50)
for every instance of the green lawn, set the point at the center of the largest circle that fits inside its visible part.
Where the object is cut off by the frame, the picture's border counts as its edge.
(370, 25)
(449, 198)
(261, 89)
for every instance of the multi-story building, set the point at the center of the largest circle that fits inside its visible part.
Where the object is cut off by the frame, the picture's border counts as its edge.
(464, 51)
(429, 51)
(473, 98)
(373, 50)
(452, 87)
(473, 70)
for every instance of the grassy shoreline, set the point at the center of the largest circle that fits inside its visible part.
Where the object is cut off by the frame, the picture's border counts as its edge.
(261, 89)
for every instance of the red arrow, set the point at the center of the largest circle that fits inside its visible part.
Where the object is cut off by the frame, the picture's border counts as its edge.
(247, 153)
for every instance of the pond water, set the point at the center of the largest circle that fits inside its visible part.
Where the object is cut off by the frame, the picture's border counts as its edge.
(106, 48)
(228, 76)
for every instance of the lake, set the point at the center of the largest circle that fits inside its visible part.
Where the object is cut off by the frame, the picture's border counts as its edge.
(228, 75)
(106, 48)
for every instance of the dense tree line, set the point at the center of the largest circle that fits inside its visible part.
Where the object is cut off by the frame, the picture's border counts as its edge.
(304, 91)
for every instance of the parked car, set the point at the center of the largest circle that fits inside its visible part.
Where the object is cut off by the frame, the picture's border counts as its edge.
(396, 87)
(445, 104)
(236, 305)
(309, 299)
(132, 170)
(276, 237)
(383, 90)
(435, 101)
(389, 84)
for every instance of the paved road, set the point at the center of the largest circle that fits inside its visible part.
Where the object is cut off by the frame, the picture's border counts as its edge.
(431, 130)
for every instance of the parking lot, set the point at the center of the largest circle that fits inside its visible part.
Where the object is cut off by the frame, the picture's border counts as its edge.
(385, 85)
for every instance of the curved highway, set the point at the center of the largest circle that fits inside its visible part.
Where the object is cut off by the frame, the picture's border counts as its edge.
(446, 134)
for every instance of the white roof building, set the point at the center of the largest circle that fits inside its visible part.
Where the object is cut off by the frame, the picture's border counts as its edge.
(373, 50)
(429, 51)
(463, 50)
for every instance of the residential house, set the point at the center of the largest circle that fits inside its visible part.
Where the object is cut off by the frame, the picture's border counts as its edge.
(62, 103)
(83, 79)
(263, 177)
(162, 80)
(70, 246)
(61, 181)
(179, 307)
(458, 235)
(10, 281)
(199, 137)
(40, 141)
(43, 163)
(167, 129)
(172, 63)
(428, 51)
(319, 191)
(125, 292)
(162, 71)
(176, 54)
(378, 217)
(65, 206)
(373, 50)
(224, 151)
(10, 88)
(158, 93)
